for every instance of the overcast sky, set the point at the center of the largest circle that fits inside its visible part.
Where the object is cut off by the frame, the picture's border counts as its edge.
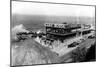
(32, 8)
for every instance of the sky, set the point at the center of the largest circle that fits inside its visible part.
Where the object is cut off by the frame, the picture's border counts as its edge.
(31, 8)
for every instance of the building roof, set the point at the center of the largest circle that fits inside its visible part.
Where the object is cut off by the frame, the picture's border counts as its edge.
(61, 34)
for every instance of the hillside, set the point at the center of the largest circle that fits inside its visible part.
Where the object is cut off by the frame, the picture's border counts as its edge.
(30, 52)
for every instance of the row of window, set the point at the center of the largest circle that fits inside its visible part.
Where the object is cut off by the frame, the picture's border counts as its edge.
(55, 25)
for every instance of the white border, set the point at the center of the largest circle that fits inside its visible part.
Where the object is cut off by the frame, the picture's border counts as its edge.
(5, 33)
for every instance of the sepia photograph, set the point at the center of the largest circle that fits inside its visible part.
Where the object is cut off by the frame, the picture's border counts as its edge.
(43, 33)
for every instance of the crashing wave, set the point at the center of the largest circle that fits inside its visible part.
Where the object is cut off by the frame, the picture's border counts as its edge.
(16, 29)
